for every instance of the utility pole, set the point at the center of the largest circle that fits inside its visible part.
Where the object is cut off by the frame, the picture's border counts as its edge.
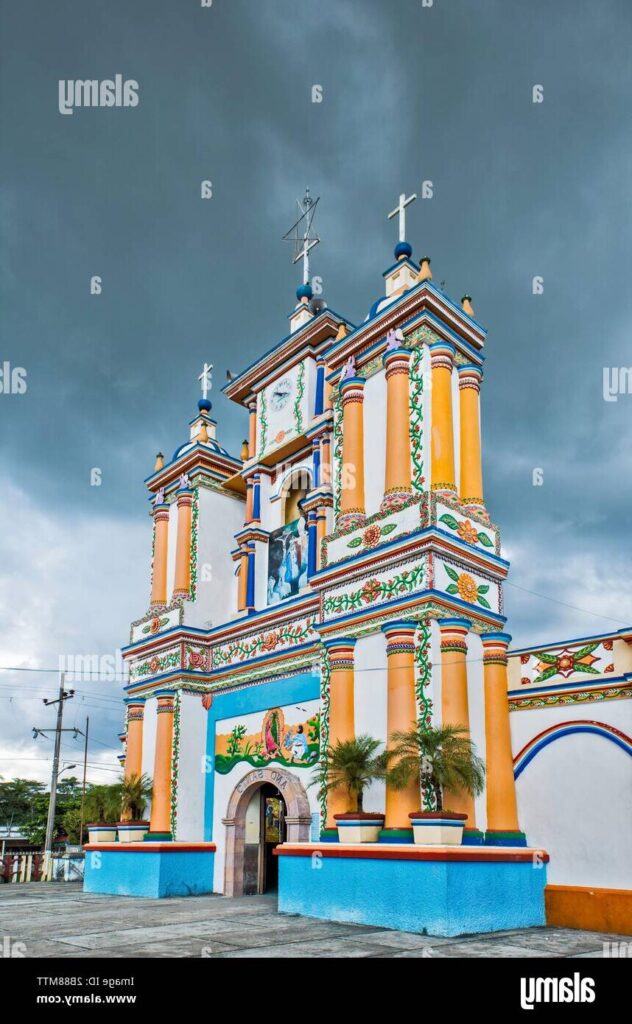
(64, 695)
(83, 791)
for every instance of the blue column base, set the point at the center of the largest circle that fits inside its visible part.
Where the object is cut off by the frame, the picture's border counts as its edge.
(396, 835)
(499, 838)
(152, 871)
(473, 837)
(329, 835)
(441, 892)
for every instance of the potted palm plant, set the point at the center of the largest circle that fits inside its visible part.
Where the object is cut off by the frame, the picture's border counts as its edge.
(443, 759)
(135, 792)
(102, 806)
(351, 765)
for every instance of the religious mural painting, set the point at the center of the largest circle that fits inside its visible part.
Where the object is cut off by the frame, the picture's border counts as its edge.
(287, 561)
(287, 736)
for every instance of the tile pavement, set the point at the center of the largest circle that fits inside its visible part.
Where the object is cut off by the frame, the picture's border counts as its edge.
(57, 919)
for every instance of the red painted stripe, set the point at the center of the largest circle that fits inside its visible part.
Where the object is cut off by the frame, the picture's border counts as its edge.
(153, 847)
(512, 856)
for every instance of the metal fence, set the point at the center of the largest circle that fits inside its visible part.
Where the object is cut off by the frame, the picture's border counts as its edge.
(40, 867)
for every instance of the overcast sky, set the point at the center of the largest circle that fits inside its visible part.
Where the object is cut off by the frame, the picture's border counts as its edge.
(409, 93)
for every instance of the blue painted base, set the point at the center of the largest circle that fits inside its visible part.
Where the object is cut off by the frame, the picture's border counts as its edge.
(138, 870)
(472, 837)
(505, 839)
(433, 897)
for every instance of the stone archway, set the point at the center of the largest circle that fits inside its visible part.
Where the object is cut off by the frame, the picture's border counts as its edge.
(298, 819)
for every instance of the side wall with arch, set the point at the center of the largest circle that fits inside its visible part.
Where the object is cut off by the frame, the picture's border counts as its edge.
(573, 767)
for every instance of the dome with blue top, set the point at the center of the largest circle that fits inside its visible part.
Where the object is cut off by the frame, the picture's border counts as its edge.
(403, 250)
(205, 405)
(304, 291)
(212, 444)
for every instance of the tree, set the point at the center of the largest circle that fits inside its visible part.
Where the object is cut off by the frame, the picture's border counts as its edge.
(103, 803)
(443, 759)
(351, 765)
(135, 792)
(71, 823)
(16, 800)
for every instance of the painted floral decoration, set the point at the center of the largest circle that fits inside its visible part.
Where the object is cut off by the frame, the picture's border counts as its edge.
(370, 591)
(467, 588)
(466, 531)
(372, 535)
(155, 624)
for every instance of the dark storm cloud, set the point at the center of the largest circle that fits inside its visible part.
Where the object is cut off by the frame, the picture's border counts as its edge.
(409, 93)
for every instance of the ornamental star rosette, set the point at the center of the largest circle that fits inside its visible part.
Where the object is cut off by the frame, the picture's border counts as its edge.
(565, 662)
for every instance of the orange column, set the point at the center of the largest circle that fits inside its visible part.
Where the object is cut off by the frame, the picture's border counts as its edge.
(249, 494)
(325, 460)
(502, 811)
(182, 581)
(252, 429)
(401, 715)
(134, 743)
(161, 792)
(397, 486)
(321, 531)
(341, 711)
(471, 469)
(161, 547)
(243, 578)
(454, 701)
(352, 511)
(442, 462)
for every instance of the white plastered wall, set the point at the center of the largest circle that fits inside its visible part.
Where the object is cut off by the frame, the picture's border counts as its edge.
(220, 516)
(370, 695)
(575, 796)
(191, 769)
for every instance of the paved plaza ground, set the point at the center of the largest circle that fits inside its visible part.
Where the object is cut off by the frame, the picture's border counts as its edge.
(57, 919)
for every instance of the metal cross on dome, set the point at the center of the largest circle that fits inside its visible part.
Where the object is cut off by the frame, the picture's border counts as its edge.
(301, 232)
(401, 210)
(206, 378)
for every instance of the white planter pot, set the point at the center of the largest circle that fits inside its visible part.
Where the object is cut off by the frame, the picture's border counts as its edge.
(446, 831)
(102, 833)
(359, 830)
(132, 831)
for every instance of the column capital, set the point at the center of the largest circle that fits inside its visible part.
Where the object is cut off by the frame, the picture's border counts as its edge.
(166, 700)
(453, 634)
(161, 511)
(340, 651)
(135, 712)
(470, 376)
(400, 636)
(495, 648)
(396, 360)
(442, 354)
(352, 390)
(184, 496)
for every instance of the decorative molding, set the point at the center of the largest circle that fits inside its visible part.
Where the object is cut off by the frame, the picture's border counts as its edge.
(175, 761)
(377, 587)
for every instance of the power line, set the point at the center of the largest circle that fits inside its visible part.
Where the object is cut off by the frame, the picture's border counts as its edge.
(56, 671)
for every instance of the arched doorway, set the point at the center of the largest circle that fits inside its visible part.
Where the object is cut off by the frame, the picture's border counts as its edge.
(251, 866)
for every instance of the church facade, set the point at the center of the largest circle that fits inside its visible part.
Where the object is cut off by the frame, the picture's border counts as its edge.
(344, 576)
